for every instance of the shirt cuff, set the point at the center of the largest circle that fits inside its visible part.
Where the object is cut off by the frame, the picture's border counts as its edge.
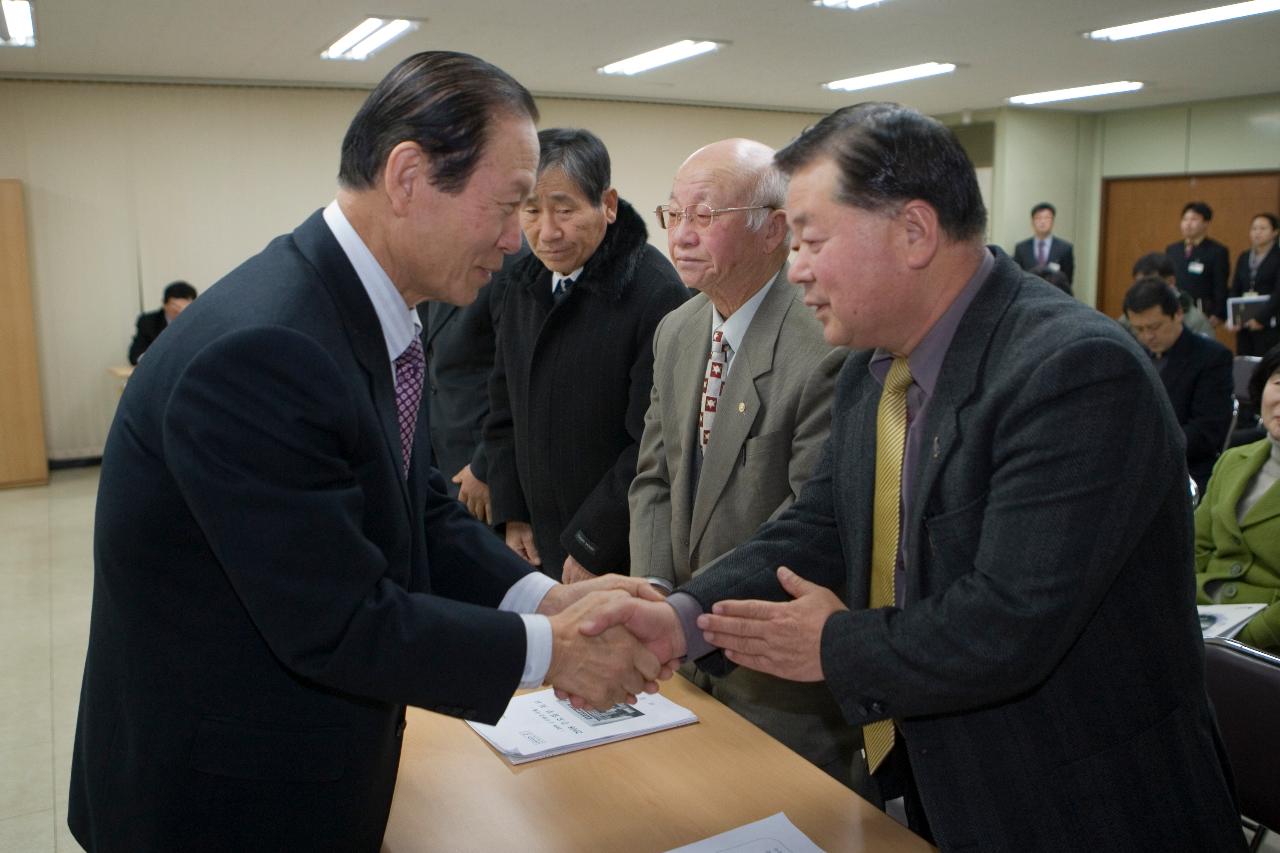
(537, 656)
(661, 583)
(527, 593)
(524, 597)
(687, 611)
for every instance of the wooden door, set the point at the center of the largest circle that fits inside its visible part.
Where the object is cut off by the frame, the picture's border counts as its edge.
(1141, 215)
(22, 453)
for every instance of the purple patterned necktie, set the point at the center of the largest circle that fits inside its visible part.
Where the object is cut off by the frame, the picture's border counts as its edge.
(410, 366)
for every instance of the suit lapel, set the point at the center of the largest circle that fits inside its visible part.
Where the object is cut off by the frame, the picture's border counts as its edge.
(360, 321)
(739, 402)
(1251, 460)
(957, 382)
(690, 367)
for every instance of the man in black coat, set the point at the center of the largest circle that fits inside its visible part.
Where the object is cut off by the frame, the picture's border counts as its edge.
(1043, 250)
(277, 571)
(459, 343)
(574, 365)
(1195, 370)
(177, 296)
(1201, 263)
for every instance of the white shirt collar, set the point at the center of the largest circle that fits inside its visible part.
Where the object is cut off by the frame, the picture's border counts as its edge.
(556, 278)
(399, 323)
(735, 327)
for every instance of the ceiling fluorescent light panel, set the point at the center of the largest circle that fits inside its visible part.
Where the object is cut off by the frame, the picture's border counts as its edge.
(1171, 23)
(849, 5)
(1117, 88)
(368, 37)
(886, 78)
(19, 24)
(665, 55)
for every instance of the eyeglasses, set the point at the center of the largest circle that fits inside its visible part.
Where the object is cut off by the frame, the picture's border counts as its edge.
(701, 215)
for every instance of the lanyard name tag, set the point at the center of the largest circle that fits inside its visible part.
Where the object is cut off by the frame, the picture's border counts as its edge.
(1195, 267)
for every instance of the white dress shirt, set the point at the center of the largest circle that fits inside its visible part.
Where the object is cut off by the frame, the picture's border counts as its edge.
(735, 328)
(556, 278)
(399, 324)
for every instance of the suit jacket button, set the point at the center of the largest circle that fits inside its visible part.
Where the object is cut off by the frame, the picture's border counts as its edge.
(1236, 570)
(1230, 590)
(877, 708)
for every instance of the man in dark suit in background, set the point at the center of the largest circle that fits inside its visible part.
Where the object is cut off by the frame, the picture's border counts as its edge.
(1195, 370)
(1201, 264)
(276, 571)
(1043, 250)
(459, 344)
(177, 296)
(1019, 639)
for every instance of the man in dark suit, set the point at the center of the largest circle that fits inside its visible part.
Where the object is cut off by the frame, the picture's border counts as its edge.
(1195, 370)
(1044, 251)
(459, 344)
(1004, 495)
(177, 296)
(277, 572)
(574, 364)
(1201, 264)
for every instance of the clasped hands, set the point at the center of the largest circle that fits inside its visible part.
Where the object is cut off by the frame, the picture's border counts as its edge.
(616, 636)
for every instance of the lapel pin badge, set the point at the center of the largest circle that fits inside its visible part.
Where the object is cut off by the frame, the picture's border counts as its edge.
(742, 408)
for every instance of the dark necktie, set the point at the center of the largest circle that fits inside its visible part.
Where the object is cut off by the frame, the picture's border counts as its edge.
(410, 366)
(561, 290)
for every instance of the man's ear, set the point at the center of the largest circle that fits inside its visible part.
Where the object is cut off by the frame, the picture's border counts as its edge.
(922, 232)
(775, 230)
(407, 173)
(610, 202)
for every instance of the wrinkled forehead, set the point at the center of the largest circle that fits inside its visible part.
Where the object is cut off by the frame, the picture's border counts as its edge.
(711, 182)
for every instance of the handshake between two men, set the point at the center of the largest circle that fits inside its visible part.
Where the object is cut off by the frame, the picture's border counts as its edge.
(616, 636)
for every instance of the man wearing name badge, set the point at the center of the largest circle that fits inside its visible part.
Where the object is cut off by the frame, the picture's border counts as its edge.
(1002, 483)
(1043, 250)
(1201, 264)
(278, 570)
(730, 437)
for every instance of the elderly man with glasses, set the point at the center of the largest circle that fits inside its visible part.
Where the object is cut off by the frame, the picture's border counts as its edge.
(742, 386)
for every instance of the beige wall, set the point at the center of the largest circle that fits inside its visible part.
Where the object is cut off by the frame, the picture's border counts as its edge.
(132, 186)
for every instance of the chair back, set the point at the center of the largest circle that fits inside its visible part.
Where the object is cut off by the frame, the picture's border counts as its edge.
(1242, 367)
(1244, 685)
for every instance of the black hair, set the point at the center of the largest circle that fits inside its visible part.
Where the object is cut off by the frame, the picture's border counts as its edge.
(1057, 279)
(1147, 293)
(1266, 368)
(445, 102)
(1205, 211)
(1153, 264)
(1044, 205)
(179, 290)
(1270, 217)
(580, 155)
(888, 154)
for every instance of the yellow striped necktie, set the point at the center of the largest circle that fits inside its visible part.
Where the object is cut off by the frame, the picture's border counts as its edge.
(891, 436)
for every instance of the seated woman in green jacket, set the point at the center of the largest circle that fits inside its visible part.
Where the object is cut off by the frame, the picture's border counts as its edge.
(1238, 522)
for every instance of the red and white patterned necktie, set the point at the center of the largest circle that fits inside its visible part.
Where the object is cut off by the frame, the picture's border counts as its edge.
(712, 385)
(410, 367)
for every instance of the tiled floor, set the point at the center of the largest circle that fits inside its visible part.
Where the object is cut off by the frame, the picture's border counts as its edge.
(46, 578)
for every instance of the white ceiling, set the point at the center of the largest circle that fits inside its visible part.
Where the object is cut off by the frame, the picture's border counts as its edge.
(779, 52)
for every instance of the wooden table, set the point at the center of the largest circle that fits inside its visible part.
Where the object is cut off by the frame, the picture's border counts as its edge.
(649, 793)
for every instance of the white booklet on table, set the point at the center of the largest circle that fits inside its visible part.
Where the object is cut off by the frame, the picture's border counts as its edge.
(1225, 620)
(538, 725)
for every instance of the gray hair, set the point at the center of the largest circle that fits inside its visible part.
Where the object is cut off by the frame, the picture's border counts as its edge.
(771, 192)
